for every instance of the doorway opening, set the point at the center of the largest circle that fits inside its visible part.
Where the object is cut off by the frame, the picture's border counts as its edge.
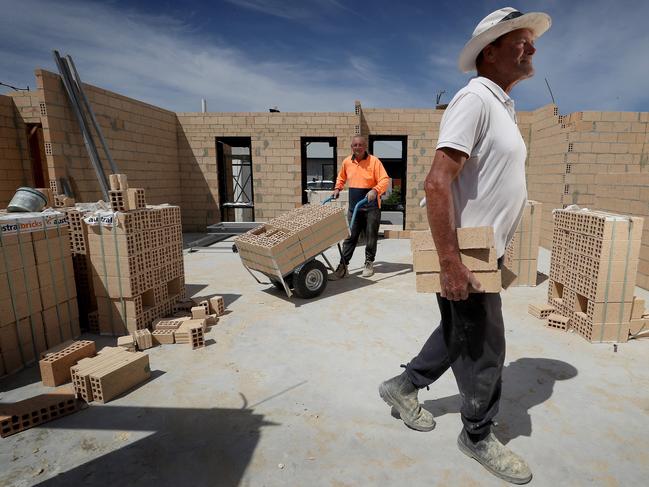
(319, 155)
(38, 161)
(392, 150)
(234, 163)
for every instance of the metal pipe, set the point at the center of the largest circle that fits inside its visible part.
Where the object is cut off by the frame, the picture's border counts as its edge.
(87, 140)
(86, 102)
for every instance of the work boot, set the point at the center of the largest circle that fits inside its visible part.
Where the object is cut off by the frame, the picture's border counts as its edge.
(339, 273)
(401, 394)
(368, 270)
(496, 457)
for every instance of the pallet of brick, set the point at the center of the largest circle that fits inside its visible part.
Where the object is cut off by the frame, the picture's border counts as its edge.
(477, 253)
(191, 332)
(291, 239)
(55, 366)
(143, 339)
(22, 415)
(137, 266)
(113, 380)
(162, 337)
(593, 265)
(540, 311)
(106, 357)
(38, 303)
(521, 256)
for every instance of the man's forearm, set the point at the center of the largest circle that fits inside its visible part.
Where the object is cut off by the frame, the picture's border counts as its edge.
(441, 218)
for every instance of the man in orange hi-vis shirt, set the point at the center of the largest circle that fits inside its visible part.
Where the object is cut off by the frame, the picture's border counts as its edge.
(366, 177)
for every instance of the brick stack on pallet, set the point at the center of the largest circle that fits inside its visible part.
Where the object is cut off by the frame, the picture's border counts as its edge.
(477, 252)
(592, 274)
(136, 262)
(109, 374)
(289, 240)
(521, 256)
(38, 303)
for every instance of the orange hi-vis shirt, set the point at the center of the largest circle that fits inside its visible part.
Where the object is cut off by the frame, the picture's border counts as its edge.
(362, 176)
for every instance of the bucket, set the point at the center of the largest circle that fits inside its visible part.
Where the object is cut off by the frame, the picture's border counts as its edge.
(27, 199)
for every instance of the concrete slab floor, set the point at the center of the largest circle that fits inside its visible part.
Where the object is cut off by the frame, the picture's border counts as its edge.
(285, 393)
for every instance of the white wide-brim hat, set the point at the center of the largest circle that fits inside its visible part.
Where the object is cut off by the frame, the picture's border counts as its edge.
(496, 24)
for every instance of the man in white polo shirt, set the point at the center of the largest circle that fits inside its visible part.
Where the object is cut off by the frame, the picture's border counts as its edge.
(477, 178)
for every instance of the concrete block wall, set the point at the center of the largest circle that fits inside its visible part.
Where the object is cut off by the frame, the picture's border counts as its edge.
(276, 158)
(627, 193)
(141, 138)
(603, 142)
(546, 164)
(12, 152)
(421, 126)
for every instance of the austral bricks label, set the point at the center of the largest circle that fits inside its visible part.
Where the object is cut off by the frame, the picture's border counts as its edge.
(31, 222)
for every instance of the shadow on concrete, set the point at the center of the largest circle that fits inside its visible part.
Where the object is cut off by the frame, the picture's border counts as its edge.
(192, 289)
(187, 446)
(381, 267)
(349, 283)
(527, 382)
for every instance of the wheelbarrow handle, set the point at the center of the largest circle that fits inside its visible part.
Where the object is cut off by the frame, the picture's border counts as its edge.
(362, 202)
(328, 200)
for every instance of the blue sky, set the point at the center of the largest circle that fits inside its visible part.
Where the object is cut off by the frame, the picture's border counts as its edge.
(321, 55)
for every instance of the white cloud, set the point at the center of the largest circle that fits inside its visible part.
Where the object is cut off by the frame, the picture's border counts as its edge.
(290, 9)
(161, 61)
(594, 57)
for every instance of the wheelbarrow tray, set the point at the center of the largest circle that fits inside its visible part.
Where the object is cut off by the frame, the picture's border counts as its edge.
(284, 244)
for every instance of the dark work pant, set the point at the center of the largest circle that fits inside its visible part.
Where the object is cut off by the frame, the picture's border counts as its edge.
(369, 220)
(471, 341)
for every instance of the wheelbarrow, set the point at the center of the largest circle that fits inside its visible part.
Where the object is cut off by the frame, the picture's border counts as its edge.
(308, 279)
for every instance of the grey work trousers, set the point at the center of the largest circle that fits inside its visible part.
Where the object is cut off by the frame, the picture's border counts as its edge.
(471, 341)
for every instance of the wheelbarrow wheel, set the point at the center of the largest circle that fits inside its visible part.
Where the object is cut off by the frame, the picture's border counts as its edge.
(310, 279)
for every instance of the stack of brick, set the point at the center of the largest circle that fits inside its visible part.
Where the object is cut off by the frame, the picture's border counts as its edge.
(477, 252)
(38, 303)
(593, 269)
(521, 255)
(137, 266)
(37, 410)
(291, 239)
(111, 373)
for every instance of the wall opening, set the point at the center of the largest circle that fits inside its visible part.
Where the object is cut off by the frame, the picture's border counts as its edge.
(392, 150)
(37, 158)
(234, 166)
(319, 155)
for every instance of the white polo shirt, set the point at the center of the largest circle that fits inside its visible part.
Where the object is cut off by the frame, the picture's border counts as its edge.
(490, 189)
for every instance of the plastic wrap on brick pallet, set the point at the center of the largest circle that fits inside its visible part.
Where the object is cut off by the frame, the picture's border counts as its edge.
(16, 223)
